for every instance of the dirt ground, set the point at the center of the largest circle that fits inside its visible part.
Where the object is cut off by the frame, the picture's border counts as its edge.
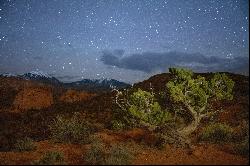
(202, 154)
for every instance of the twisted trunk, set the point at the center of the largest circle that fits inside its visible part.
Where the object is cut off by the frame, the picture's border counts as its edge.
(194, 124)
(191, 127)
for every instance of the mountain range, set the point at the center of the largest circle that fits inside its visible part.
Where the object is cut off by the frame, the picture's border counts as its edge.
(90, 85)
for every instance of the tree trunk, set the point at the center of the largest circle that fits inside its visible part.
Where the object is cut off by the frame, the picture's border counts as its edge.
(191, 127)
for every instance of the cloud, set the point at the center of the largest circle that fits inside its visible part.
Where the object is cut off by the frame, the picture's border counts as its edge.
(110, 58)
(38, 58)
(152, 61)
(119, 52)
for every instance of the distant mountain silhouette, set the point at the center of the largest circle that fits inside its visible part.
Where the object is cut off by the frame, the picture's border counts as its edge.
(89, 85)
(95, 85)
(41, 77)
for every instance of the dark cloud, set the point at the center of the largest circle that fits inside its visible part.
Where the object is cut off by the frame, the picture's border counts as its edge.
(110, 58)
(119, 52)
(152, 61)
(38, 58)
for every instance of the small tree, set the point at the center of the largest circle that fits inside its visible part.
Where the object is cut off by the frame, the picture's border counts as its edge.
(194, 94)
(142, 108)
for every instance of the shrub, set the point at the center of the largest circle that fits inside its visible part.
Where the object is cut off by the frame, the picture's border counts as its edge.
(217, 132)
(122, 119)
(169, 135)
(72, 130)
(117, 125)
(25, 144)
(51, 158)
(99, 154)
(118, 155)
(242, 148)
(96, 153)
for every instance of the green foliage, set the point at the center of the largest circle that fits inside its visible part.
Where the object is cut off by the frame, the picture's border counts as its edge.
(221, 86)
(95, 155)
(25, 144)
(194, 93)
(181, 75)
(148, 111)
(187, 90)
(72, 130)
(121, 120)
(140, 108)
(117, 154)
(117, 125)
(217, 132)
(51, 158)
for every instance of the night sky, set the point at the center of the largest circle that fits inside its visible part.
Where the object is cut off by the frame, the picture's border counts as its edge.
(127, 40)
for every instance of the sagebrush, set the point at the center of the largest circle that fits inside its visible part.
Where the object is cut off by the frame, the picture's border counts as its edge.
(100, 154)
(217, 132)
(51, 158)
(70, 130)
(25, 144)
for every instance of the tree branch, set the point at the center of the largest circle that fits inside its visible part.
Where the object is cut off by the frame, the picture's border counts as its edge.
(116, 99)
(193, 112)
(208, 114)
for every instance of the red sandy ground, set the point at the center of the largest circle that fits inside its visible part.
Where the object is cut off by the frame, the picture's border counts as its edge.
(73, 154)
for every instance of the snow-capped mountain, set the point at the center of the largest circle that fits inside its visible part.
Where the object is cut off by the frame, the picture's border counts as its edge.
(40, 76)
(8, 75)
(90, 85)
(37, 74)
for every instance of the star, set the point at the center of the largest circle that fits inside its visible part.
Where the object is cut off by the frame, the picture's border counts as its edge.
(53, 36)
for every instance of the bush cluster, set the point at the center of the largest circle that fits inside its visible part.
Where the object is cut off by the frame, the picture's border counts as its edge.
(51, 158)
(25, 144)
(217, 132)
(70, 130)
(117, 125)
(117, 154)
(96, 153)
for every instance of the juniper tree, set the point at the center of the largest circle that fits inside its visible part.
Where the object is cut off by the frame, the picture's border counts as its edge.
(141, 108)
(195, 94)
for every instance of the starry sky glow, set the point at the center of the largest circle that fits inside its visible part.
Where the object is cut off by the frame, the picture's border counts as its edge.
(127, 40)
